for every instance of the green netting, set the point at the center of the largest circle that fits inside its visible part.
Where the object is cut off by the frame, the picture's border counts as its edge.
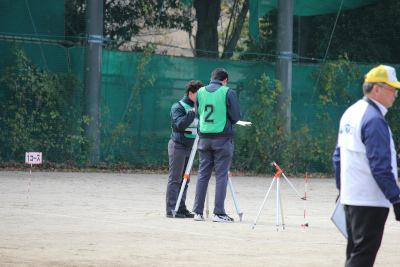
(149, 127)
(259, 8)
(16, 18)
(144, 138)
(135, 104)
(46, 56)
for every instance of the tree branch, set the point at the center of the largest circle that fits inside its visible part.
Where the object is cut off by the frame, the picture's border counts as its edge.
(230, 47)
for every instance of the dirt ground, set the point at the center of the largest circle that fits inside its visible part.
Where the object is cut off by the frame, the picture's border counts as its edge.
(101, 219)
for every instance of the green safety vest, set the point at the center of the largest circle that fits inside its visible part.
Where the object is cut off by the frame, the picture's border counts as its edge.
(212, 109)
(193, 126)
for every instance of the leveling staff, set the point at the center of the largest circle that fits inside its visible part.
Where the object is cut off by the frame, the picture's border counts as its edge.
(218, 109)
(184, 131)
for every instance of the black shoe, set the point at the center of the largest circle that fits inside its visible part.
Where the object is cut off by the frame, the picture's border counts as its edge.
(177, 215)
(187, 214)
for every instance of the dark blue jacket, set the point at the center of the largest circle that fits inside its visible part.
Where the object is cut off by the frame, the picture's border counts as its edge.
(233, 112)
(180, 121)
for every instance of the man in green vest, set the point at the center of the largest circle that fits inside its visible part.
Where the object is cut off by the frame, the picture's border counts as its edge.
(184, 131)
(218, 109)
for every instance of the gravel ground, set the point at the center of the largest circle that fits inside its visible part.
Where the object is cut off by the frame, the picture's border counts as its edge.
(111, 219)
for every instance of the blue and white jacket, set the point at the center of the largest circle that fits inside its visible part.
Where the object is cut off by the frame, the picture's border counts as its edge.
(365, 157)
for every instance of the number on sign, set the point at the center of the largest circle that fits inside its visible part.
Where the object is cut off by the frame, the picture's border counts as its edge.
(33, 158)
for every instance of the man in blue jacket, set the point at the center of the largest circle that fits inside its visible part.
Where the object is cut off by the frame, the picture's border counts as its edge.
(184, 131)
(217, 108)
(365, 164)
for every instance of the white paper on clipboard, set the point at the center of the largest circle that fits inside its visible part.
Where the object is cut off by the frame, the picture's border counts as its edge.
(339, 218)
(244, 123)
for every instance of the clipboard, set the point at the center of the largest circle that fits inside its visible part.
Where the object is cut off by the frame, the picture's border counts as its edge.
(338, 217)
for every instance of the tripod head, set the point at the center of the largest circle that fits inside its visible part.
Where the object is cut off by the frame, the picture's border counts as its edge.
(277, 174)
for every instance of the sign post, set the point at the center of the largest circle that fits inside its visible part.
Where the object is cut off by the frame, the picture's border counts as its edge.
(32, 158)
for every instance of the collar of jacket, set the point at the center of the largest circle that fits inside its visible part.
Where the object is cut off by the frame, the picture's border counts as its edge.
(369, 101)
(188, 101)
(216, 81)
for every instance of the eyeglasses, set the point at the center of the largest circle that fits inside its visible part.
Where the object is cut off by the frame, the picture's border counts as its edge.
(395, 91)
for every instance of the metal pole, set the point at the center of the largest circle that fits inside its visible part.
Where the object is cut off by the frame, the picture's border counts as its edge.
(285, 51)
(283, 220)
(234, 196)
(186, 175)
(207, 204)
(92, 76)
(292, 186)
(255, 222)
(277, 203)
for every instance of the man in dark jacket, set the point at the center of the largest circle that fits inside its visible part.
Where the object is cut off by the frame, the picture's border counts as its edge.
(218, 109)
(184, 131)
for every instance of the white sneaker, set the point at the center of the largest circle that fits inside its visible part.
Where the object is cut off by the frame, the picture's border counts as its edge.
(223, 218)
(198, 217)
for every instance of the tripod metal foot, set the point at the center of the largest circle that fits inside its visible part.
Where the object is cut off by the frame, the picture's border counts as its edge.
(234, 196)
(173, 213)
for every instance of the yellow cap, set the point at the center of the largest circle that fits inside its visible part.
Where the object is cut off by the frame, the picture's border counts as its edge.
(383, 74)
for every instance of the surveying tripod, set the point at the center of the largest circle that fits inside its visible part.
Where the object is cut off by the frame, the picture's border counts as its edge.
(187, 176)
(278, 198)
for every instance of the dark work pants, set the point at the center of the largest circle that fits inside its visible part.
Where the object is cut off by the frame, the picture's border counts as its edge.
(365, 230)
(178, 159)
(213, 153)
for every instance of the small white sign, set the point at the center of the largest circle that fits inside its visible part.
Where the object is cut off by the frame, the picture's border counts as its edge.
(33, 158)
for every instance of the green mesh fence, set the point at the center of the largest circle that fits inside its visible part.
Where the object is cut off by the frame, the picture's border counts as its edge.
(43, 19)
(42, 58)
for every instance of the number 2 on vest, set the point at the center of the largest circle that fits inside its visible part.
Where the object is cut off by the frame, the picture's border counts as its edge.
(209, 114)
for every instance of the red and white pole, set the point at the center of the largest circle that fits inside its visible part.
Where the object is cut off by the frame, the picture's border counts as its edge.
(305, 205)
(29, 184)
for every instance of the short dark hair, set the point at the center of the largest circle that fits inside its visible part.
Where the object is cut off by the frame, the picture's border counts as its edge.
(219, 74)
(193, 86)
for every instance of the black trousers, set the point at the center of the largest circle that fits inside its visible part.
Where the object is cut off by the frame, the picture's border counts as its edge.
(365, 227)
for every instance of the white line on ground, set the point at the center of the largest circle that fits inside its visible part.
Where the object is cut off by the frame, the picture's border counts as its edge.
(180, 231)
